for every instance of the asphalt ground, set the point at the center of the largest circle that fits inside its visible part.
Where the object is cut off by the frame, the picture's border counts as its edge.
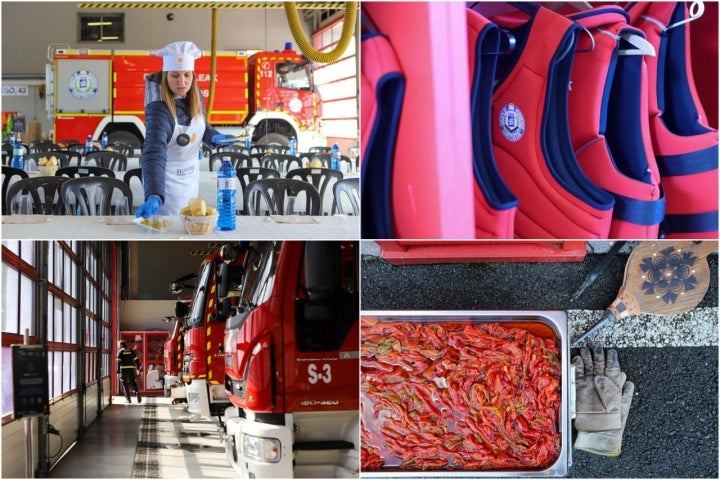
(672, 428)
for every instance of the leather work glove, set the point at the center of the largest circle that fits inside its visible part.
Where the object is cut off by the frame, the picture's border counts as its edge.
(598, 390)
(222, 139)
(149, 208)
(609, 442)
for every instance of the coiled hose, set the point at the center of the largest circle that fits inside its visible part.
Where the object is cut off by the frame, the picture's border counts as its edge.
(306, 47)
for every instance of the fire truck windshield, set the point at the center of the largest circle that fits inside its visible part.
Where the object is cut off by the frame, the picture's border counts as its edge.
(292, 75)
(195, 318)
(259, 274)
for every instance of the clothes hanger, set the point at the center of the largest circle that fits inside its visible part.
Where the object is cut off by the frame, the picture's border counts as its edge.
(696, 10)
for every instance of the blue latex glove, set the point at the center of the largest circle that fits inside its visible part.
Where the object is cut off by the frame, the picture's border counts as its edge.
(223, 139)
(149, 208)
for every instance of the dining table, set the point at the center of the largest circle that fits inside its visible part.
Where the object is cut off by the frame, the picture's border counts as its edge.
(266, 227)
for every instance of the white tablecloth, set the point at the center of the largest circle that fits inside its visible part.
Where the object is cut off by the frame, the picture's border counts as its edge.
(336, 227)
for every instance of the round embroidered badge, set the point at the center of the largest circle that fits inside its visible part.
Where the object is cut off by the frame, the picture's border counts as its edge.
(512, 122)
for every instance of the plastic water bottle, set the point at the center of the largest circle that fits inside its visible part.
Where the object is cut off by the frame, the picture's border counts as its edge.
(103, 140)
(226, 196)
(293, 146)
(88, 144)
(247, 142)
(12, 139)
(18, 158)
(335, 157)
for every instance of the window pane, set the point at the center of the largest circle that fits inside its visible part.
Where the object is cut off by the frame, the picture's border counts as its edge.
(10, 296)
(66, 371)
(56, 373)
(13, 246)
(67, 324)
(58, 307)
(7, 386)
(27, 251)
(27, 305)
(73, 369)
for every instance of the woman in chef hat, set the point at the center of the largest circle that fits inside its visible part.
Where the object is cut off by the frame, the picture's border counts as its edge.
(175, 128)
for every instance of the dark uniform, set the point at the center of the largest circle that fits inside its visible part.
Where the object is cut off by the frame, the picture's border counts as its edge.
(127, 362)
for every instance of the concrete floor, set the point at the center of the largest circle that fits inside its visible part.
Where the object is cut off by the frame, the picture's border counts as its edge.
(153, 439)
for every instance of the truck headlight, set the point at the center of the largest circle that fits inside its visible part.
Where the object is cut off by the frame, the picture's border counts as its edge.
(261, 448)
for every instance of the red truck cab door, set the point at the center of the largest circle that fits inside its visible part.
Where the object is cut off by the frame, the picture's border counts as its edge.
(321, 335)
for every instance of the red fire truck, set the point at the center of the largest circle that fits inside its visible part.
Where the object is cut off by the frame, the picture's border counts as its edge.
(196, 344)
(292, 362)
(267, 96)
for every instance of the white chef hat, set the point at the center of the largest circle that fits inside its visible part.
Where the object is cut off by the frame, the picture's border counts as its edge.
(179, 56)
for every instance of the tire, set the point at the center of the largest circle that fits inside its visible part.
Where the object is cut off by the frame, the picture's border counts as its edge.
(122, 136)
(274, 137)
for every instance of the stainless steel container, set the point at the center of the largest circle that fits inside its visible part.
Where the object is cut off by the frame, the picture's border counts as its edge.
(552, 323)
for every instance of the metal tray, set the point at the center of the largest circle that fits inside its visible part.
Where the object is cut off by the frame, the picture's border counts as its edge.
(550, 322)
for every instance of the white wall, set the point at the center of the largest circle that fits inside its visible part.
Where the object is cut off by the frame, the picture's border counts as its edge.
(28, 28)
(146, 314)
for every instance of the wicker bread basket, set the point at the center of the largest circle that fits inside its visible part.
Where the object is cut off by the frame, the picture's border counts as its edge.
(200, 225)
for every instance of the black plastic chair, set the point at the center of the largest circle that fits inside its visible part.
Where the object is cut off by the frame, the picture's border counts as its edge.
(347, 188)
(66, 142)
(44, 192)
(7, 153)
(111, 160)
(234, 148)
(91, 171)
(237, 159)
(268, 195)
(42, 146)
(133, 173)
(76, 147)
(124, 148)
(280, 161)
(247, 175)
(72, 157)
(261, 148)
(319, 149)
(93, 195)
(325, 158)
(207, 150)
(62, 158)
(320, 178)
(8, 174)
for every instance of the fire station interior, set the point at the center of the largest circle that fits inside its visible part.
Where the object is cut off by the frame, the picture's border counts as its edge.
(78, 299)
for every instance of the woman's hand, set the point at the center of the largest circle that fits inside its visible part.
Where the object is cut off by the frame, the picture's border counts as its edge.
(150, 207)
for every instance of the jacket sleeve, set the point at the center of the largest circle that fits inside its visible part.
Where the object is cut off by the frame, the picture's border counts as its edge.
(159, 127)
(136, 360)
(210, 131)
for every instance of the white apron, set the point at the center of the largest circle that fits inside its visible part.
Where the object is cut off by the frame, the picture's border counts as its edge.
(182, 172)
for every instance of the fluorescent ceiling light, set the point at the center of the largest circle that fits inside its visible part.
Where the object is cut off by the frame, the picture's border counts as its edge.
(98, 24)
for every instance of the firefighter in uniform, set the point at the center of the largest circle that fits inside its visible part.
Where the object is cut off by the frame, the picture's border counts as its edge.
(127, 363)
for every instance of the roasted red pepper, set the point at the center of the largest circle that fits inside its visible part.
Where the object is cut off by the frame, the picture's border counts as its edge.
(458, 395)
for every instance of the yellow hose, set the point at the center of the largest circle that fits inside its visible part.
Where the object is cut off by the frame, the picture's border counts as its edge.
(306, 47)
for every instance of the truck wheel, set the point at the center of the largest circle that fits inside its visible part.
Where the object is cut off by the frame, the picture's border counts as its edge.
(274, 137)
(122, 136)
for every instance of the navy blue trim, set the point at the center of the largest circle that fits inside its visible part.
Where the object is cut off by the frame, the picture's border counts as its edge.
(555, 130)
(369, 35)
(690, 223)
(600, 11)
(639, 212)
(688, 163)
(624, 127)
(679, 112)
(487, 176)
(376, 179)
